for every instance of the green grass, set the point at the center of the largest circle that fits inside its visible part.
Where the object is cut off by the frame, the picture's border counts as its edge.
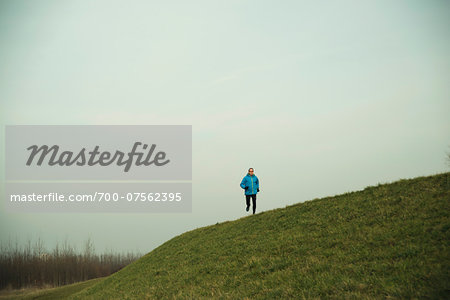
(386, 241)
(50, 293)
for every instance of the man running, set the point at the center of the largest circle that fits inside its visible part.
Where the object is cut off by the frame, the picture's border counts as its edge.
(250, 183)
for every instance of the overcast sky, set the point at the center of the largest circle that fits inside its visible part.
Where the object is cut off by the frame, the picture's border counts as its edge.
(320, 97)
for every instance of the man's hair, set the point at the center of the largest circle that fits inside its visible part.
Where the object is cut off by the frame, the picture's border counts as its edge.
(251, 169)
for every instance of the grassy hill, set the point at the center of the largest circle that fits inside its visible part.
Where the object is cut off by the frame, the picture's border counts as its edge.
(389, 240)
(49, 293)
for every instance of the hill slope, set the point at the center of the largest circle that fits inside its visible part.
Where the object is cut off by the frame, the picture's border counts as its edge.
(386, 240)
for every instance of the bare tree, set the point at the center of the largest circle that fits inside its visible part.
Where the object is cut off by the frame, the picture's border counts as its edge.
(448, 158)
(32, 265)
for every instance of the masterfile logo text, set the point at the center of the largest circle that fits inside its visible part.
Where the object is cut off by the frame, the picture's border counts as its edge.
(98, 152)
(68, 158)
(98, 168)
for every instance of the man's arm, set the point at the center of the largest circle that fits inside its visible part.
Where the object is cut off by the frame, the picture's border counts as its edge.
(243, 183)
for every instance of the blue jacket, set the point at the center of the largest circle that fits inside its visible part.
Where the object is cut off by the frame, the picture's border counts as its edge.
(252, 182)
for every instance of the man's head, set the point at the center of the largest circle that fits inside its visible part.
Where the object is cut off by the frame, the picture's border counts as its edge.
(251, 171)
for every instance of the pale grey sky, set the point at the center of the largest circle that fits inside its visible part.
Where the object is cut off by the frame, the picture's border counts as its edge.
(320, 97)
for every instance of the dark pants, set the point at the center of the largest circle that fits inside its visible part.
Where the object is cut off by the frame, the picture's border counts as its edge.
(247, 199)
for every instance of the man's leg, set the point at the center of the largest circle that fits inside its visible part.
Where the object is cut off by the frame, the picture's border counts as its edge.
(247, 200)
(254, 203)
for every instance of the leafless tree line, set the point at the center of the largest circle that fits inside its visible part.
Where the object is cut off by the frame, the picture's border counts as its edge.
(31, 265)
